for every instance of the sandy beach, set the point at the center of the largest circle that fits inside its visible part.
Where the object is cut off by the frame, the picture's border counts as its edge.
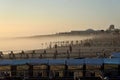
(100, 46)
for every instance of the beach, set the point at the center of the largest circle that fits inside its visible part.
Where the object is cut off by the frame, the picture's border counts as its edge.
(98, 46)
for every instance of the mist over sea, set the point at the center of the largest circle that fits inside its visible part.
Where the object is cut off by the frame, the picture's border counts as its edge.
(17, 44)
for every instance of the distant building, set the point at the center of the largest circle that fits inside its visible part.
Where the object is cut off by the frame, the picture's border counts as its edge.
(111, 29)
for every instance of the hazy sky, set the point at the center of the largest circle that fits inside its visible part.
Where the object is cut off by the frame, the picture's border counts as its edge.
(31, 17)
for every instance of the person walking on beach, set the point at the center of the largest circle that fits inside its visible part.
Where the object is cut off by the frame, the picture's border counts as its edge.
(33, 54)
(1, 54)
(11, 55)
(40, 56)
(55, 46)
(22, 54)
(44, 52)
(70, 48)
(68, 54)
(55, 54)
(27, 56)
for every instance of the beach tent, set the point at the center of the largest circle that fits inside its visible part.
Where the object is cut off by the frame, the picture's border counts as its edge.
(24, 61)
(38, 61)
(72, 62)
(19, 62)
(57, 62)
(13, 62)
(94, 61)
(75, 62)
(112, 61)
(116, 55)
(5, 62)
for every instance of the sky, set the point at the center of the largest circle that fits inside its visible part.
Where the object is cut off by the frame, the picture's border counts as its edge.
(38, 17)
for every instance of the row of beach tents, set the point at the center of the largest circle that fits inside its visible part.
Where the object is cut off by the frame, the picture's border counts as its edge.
(88, 61)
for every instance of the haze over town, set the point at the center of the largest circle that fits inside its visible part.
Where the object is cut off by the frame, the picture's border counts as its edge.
(38, 17)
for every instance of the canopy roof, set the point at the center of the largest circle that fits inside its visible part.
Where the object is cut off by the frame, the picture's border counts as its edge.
(61, 61)
(75, 61)
(112, 61)
(116, 55)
